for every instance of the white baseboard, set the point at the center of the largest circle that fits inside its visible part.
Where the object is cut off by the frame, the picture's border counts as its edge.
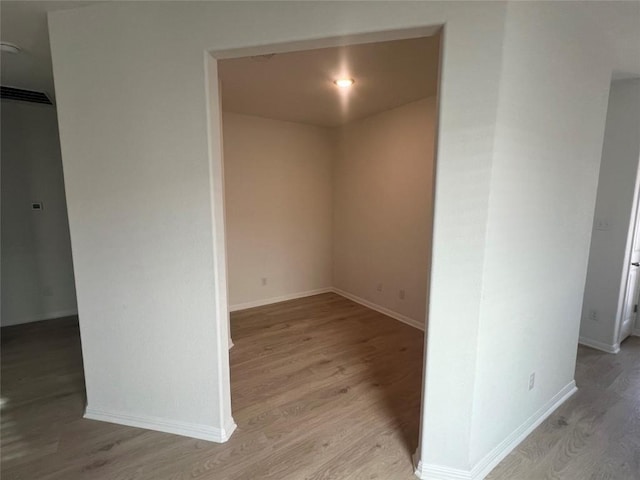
(38, 318)
(283, 298)
(605, 347)
(193, 430)
(378, 308)
(389, 313)
(435, 472)
(495, 456)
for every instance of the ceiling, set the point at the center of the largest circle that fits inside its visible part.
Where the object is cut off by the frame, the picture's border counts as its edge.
(298, 86)
(24, 23)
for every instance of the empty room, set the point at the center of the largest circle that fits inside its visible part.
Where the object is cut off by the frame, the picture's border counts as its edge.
(319, 240)
(328, 168)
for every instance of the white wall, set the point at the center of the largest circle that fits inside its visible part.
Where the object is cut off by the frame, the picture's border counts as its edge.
(616, 187)
(144, 209)
(548, 140)
(278, 190)
(143, 174)
(383, 190)
(37, 270)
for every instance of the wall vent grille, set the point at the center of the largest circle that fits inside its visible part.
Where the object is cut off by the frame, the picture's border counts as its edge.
(11, 93)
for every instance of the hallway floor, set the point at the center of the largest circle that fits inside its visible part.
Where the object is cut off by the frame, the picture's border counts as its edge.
(595, 435)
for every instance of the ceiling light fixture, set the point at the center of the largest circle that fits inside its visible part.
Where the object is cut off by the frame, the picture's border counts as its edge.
(7, 47)
(344, 82)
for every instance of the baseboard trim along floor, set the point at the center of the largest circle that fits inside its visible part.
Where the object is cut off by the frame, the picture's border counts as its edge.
(354, 298)
(604, 347)
(41, 317)
(192, 430)
(281, 298)
(495, 456)
(385, 311)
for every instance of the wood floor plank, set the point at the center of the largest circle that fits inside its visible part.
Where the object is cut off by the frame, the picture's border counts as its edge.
(322, 388)
(311, 381)
(595, 435)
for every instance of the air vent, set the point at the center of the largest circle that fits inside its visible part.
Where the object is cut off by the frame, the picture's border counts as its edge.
(11, 93)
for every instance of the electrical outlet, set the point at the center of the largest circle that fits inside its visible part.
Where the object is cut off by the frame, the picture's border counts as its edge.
(532, 380)
(593, 315)
(401, 294)
(264, 281)
(379, 287)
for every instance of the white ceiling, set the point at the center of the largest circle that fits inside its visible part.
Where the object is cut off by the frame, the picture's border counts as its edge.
(619, 24)
(298, 86)
(24, 23)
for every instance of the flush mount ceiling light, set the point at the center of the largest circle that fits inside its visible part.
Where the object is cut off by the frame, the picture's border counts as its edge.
(7, 47)
(344, 82)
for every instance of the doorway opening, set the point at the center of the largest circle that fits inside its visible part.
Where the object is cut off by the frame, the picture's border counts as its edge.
(328, 162)
(630, 291)
(610, 304)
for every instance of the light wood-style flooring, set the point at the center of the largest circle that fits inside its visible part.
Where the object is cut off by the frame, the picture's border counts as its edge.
(322, 388)
(595, 435)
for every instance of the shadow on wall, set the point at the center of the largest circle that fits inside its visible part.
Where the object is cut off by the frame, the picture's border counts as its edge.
(37, 269)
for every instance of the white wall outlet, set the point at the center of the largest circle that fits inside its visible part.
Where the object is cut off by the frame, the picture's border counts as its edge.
(379, 287)
(532, 380)
(593, 315)
(401, 294)
(264, 281)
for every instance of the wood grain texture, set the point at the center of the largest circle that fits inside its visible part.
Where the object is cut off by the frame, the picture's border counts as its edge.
(322, 388)
(595, 435)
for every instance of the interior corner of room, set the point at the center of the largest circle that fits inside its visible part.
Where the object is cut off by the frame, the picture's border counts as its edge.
(415, 222)
(329, 189)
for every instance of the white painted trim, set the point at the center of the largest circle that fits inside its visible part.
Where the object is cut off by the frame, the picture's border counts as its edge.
(193, 430)
(436, 472)
(604, 347)
(495, 456)
(354, 298)
(282, 298)
(389, 313)
(43, 316)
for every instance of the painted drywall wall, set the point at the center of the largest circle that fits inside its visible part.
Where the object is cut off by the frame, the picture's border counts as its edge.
(143, 170)
(37, 270)
(548, 140)
(383, 189)
(616, 188)
(144, 212)
(278, 198)
(144, 209)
